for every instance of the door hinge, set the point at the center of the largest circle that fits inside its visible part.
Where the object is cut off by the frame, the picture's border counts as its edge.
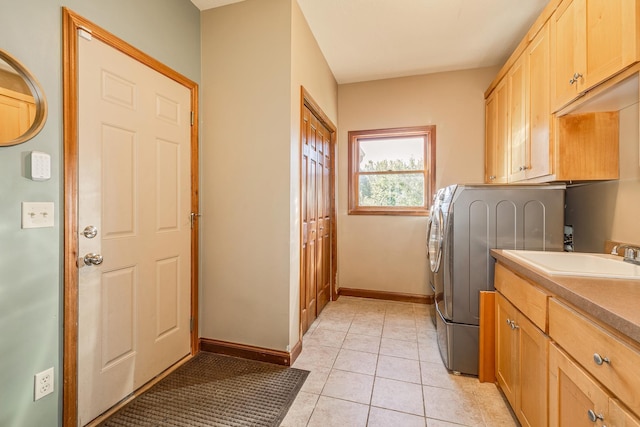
(193, 216)
(191, 324)
(193, 117)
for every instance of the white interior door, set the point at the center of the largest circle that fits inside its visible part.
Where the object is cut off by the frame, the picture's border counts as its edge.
(134, 188)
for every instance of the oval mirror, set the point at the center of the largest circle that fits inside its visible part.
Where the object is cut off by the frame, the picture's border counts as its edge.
(23, 108)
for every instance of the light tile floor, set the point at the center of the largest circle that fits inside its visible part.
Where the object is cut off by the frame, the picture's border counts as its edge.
(376, 363)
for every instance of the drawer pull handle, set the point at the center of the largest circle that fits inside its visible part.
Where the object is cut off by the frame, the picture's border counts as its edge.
(593, 417)
(600, 360)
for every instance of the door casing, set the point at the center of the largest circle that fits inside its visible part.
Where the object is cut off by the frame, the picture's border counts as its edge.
(72, 23)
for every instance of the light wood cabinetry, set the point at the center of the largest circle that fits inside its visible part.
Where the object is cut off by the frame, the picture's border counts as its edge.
(575, 48)
(518, 127)
(593, 40)
(521, 347)
(497, 135)
(620, 417)
(610, 359)
(576, 399)
(581, 373)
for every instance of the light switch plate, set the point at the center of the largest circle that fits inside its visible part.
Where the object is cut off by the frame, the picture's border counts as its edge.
(37, 214)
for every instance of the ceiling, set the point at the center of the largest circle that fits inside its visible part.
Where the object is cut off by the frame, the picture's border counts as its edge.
(377, 39)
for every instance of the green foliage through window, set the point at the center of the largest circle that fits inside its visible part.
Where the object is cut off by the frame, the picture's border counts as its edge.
(397, 189)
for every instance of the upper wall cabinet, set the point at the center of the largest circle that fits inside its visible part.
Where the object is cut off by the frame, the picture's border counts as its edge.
(535, 158)
(518, 119)
(593, 40)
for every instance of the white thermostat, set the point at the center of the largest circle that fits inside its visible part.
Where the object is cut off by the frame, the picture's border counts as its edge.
(39, 166)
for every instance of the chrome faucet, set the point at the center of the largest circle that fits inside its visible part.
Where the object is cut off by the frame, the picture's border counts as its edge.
(631, 253)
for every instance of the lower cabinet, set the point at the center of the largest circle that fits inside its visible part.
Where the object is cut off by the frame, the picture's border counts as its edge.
(577, 400)
(521, 363)
(579, 373)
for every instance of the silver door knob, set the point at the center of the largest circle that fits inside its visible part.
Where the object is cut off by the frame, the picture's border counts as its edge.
(90, 232)
(92, 259)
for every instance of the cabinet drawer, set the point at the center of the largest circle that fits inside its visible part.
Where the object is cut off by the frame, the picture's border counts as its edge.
(585, 340)
(526, 297)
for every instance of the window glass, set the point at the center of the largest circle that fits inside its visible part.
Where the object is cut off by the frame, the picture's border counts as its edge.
(391, 171)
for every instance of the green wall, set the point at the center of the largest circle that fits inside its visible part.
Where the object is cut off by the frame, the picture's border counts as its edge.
(31, 260)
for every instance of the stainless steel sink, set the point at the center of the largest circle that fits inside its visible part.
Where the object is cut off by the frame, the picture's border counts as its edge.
(578, 264)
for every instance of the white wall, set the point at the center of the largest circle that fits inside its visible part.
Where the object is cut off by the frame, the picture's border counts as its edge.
(387, 253)
(309, 69)
(255, 56)
(245, 173)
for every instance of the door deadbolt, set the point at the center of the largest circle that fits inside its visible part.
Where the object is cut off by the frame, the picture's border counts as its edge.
(90, 232)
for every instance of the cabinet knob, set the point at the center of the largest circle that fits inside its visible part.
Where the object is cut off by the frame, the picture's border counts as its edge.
(575, 78)
(492, 177)
(593, 417)
(600, 360)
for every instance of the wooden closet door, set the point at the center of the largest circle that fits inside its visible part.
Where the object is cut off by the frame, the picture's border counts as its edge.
(323, 265)
(308, 289)
(317, 220)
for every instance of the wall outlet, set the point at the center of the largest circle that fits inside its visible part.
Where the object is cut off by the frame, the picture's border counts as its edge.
(43, 383)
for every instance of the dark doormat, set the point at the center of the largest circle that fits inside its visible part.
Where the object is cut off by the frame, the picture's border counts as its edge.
(215, 390)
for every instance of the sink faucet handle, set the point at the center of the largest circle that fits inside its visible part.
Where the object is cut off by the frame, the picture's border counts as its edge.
(629, 250)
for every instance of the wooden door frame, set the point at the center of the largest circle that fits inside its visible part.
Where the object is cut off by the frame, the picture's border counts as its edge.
(308, 101)
(73, 22)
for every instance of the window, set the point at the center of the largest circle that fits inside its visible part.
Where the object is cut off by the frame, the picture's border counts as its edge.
(392, 171)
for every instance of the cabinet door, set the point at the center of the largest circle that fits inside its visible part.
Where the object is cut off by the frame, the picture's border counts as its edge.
(611, 38)
(573, 395)
(518, 135)
(531, 396)
(567, 26)
(506, 348)
(538, 152)
(594, 39)
(496, 137)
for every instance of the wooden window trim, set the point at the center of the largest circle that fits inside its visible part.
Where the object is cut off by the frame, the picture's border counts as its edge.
(429, 133)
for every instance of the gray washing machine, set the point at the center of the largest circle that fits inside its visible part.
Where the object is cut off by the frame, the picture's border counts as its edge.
(470, 221)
